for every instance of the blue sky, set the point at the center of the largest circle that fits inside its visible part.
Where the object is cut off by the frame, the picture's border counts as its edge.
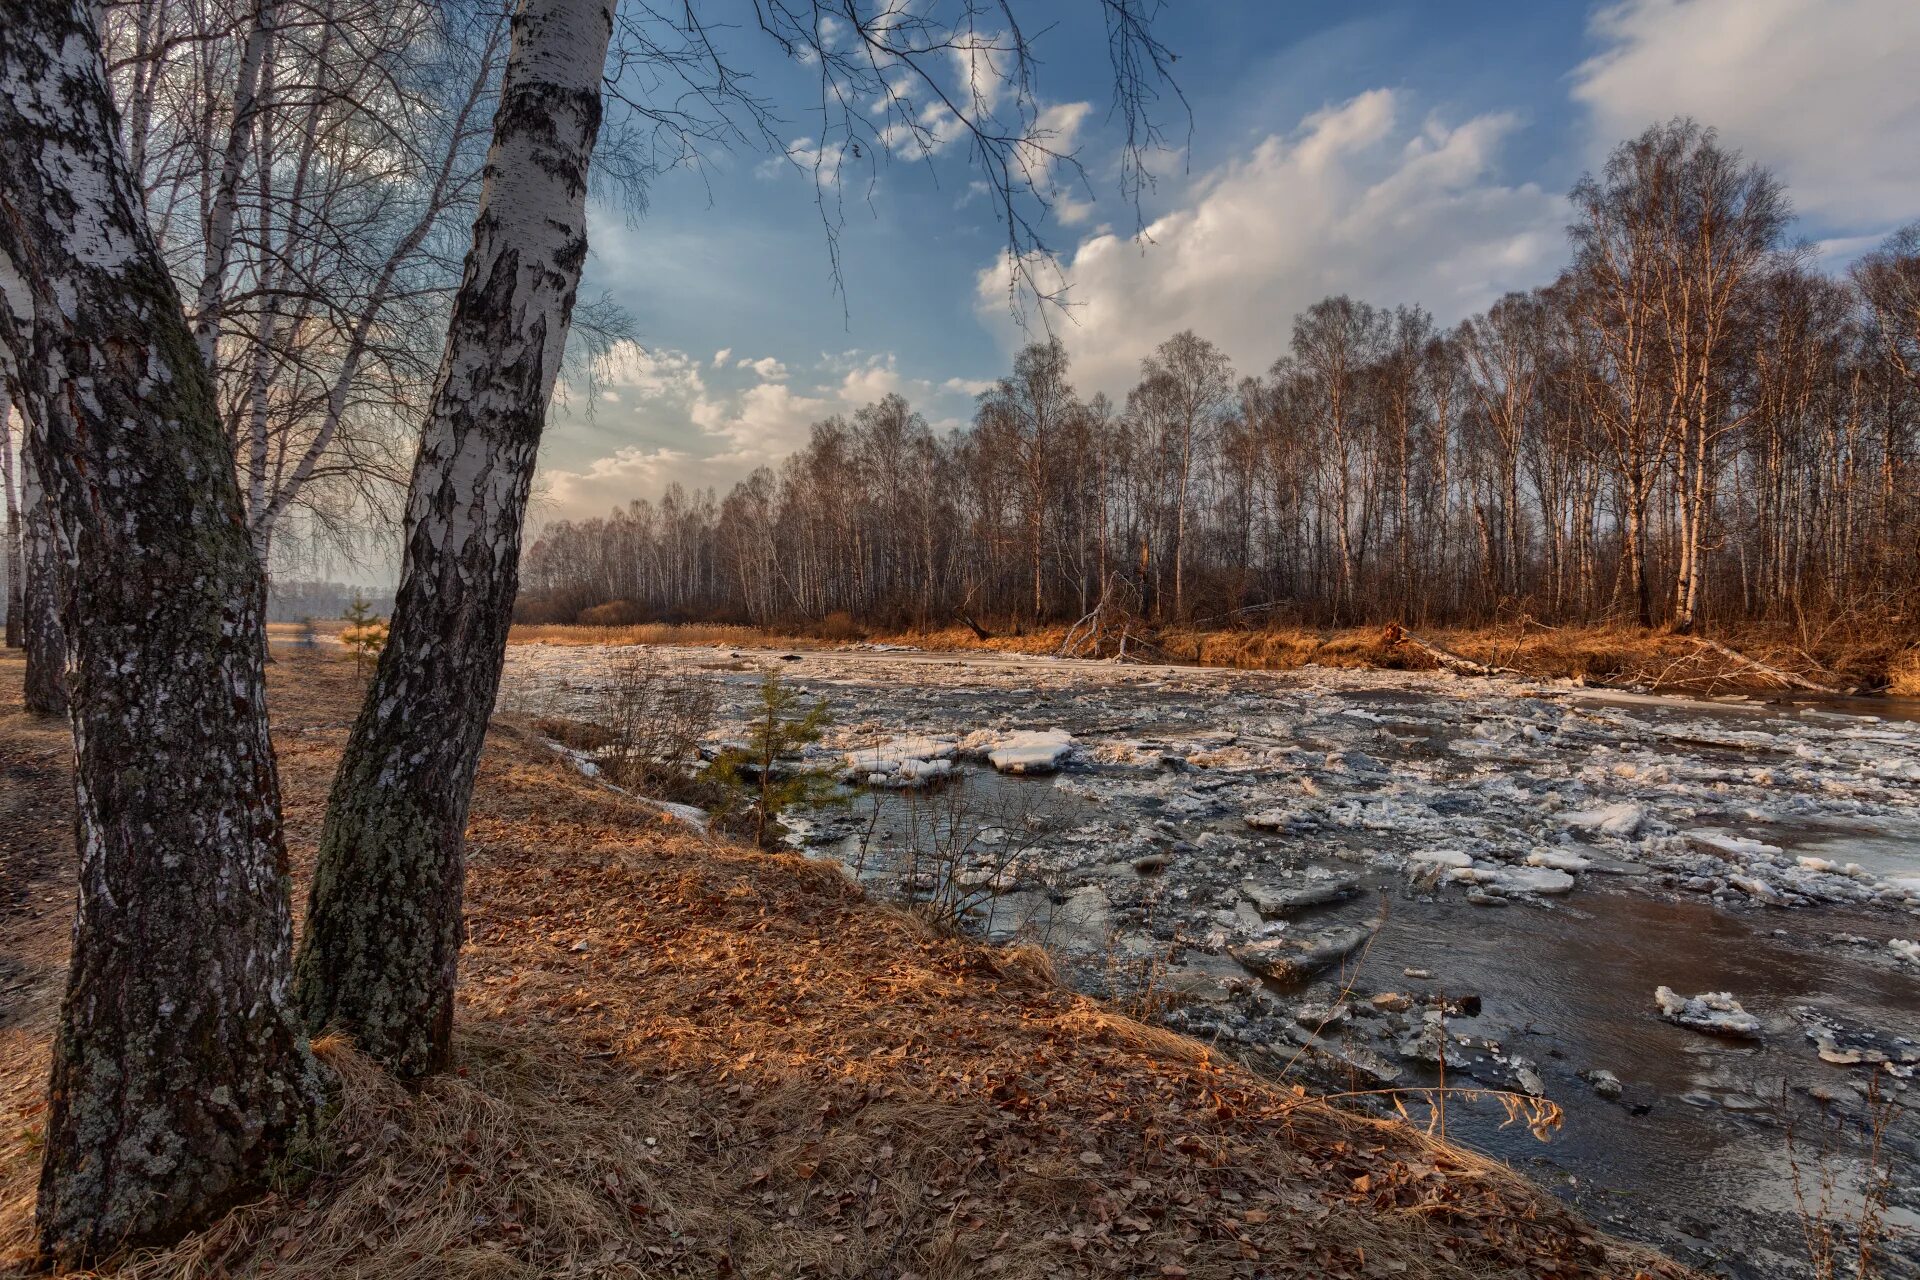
(1402, 152)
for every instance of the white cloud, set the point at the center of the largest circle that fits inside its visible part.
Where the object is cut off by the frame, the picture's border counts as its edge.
(761, 425)
(720, 357)
(1353, 201)
(766, 368)
(1824, 91)
(629, 367)
(1055, 133)
(869, 382)
(718, 432)
(967, 386)
(820, 160)
(609, 482)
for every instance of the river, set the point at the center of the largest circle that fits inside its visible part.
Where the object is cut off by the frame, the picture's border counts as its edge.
(1525, 863)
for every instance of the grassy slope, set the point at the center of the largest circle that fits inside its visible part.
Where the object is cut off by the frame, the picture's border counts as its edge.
(683, 1058)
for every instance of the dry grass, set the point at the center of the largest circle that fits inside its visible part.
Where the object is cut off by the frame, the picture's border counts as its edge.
(680, 1057)
(655, 633)
(1903, 674)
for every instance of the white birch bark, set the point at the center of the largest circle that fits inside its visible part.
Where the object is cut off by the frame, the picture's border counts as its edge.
(179, 1068)
(383, 925)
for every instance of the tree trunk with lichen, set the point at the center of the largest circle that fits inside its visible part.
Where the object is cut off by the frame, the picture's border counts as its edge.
(179, 1068)
(384, 926)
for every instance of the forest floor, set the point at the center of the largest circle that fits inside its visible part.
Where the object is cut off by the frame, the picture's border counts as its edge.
(1627, 657)
(682, 1057)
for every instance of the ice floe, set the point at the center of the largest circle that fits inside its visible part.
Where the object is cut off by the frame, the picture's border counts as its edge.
(1023, 751)
(1714, 1012)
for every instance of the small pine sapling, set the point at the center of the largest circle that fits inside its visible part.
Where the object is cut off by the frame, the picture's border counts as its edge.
(767, 768)
(365, 633)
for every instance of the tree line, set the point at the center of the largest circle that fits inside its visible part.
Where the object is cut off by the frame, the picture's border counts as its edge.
(1691, 422)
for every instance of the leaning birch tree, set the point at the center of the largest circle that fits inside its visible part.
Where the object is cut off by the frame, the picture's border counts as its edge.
(179, 1066)
(384, 924)
(378, 959)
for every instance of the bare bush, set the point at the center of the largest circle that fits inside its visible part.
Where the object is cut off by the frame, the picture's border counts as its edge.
(655, 722)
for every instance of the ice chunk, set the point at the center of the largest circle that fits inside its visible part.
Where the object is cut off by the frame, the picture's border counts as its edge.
(1558, 859)
(1622, 820)
(1716, 1013)
(1441, 858)
(1274, 819)
(1544, 880)
(1019, 750)
(902, 762)
(1275, 899)
(1739, 846)
(1906, 949)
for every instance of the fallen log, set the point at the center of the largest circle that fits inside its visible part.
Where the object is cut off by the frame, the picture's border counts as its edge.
(979, 632)
(1788, 679)
(1459, 664)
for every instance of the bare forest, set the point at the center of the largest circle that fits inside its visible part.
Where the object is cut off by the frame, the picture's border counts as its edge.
(1693, 425)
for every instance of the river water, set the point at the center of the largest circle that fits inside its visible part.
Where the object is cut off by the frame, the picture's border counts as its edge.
(1541, 857)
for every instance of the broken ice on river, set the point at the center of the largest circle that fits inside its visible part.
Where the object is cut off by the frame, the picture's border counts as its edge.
(1490, 789)
(1410, 875)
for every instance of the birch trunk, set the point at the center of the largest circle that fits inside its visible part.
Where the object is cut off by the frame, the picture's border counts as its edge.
(16, 561)
(44, 639)
(179, 1068)
(226, 199)
(383, 926)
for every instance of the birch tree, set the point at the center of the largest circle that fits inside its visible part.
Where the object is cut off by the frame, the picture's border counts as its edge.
(15, 550)
(1194, 380)
(383, 923)
(179, 1066)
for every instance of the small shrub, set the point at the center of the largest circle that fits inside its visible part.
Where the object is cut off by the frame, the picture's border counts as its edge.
(655, 721)
(364, 635)
(1903, 674)
(839, 625)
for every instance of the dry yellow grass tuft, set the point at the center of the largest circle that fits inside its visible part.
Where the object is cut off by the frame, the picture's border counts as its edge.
(681, 1057)
(1903, 674)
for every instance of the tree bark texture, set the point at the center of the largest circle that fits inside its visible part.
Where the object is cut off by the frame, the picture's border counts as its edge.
(383, 926)
(179, 1067)
(14, 551)
(42, 634)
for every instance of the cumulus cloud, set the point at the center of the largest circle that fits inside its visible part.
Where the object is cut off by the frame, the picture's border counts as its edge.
(609, 482)
(629, 367)
(1824, 91)
(761, 425)
(718, 429)
(1355, 200)
(766, 368)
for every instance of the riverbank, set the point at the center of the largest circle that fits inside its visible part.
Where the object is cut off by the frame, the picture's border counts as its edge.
(682, 1057)
(1759, 661)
